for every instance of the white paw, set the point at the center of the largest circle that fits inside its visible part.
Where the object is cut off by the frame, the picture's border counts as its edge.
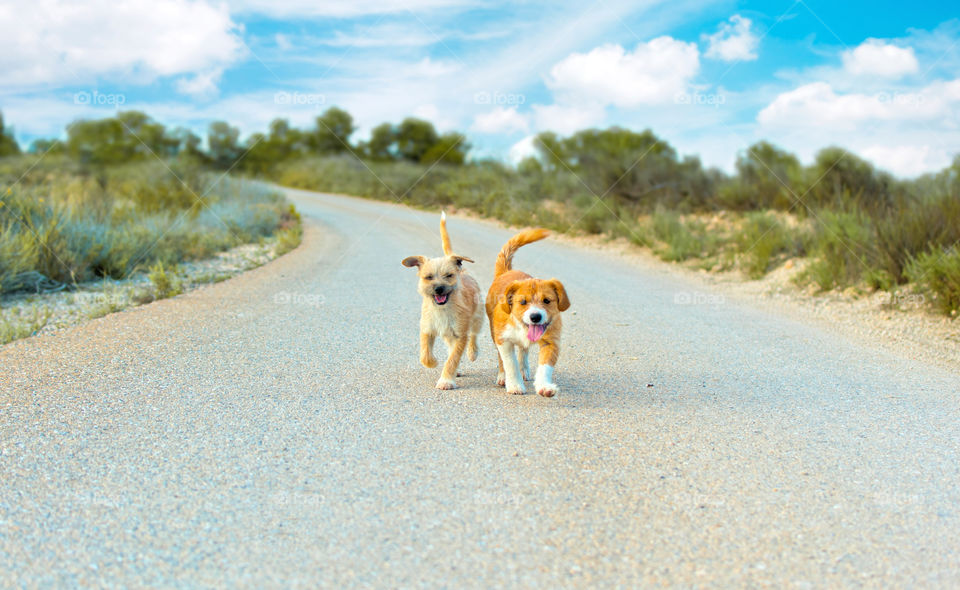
(546, 389)
(501, 379)
(446, 384)
(516, 389)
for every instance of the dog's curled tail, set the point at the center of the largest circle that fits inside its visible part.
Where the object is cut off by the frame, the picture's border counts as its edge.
(444, 236)
(505, 257)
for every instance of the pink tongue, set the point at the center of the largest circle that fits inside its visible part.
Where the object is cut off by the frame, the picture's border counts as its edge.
(534, 332)
(440, 298)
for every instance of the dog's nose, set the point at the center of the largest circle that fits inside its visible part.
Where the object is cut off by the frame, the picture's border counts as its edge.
(535, 318)
(438, 289)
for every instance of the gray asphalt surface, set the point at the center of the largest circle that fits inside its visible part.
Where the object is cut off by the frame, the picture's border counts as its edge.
(276, 429)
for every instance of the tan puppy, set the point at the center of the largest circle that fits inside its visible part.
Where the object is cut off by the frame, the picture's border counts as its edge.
(451, 308)
(524, 311)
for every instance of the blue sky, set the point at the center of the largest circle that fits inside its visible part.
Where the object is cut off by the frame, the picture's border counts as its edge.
(881, 79)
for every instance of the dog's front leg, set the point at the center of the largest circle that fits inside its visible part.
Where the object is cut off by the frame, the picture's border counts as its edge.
(524, 363)
(453, 361)
(543, 383)
(426, 350)
(514, 380)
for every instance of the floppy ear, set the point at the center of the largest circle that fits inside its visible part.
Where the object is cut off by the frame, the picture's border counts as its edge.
(563, 302)
(460, 259)
(413, 261)
(506, 300)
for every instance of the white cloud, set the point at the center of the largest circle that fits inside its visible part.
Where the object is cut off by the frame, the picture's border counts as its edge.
(63, 42)
(392, 35)
(202, 84)
(565, 119)
(906, 132)
(734, 41)
(906, 160)
(500, 120)
(817, 104)
(440, 119)
(654, 72)
(523, 149)
(283, 42)
(874, 57)
(342, 8)
(429, 68)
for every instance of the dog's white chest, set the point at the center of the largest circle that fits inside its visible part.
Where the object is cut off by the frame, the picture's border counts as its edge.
(443, 320)
(516, 334)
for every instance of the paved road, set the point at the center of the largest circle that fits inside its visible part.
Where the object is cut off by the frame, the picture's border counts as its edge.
(277, 429)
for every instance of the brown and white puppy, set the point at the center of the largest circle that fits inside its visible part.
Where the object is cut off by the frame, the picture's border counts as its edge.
(451, 308)
(524, 311)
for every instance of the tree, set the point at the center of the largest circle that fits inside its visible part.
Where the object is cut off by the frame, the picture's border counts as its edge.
(332, 132)
(840, 179)
(47, 146)
(223, 144)
(451, 148)
(8, 145)
(101, 142)
(767, 177)
(382, 144)
(131, 135)
(638, 169)
(414, 137)
(286, 141)
(187, 143)
(148, 137)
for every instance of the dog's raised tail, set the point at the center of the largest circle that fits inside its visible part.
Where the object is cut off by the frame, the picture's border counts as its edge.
(444, 236)
(505, 257)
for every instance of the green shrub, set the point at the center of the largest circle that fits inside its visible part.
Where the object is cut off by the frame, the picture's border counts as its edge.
(681, 242)
(61, 224)
(841, 245)
(938, 271)
(915, 226)
(761, 240)
(165, 281)
(14, 326)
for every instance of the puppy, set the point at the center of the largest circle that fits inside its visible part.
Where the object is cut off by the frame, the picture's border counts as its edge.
(524, 311)
(451, 307)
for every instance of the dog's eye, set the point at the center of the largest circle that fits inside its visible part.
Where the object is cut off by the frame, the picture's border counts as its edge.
(546, 301)
(429, 277)
(523, 302)
(449, 276)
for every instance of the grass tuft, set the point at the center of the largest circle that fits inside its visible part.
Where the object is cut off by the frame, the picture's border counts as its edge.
(939, 272)
(14, 326)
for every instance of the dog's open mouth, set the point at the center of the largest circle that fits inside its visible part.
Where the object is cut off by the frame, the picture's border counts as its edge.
(441, 299)
(535, 331)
